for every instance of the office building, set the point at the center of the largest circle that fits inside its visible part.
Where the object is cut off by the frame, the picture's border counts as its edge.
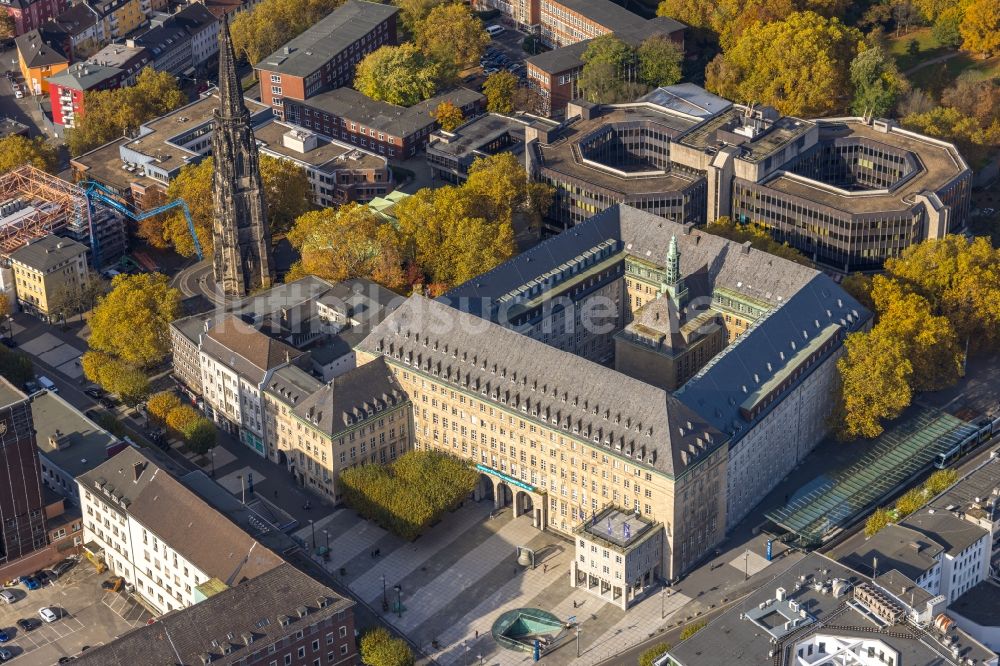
(325, 55)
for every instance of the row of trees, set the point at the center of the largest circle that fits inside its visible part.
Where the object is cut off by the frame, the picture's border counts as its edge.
(183, 420)
(130, 334)
(286, 191)
(934, 302)
(447, 38)
(74, 298)
(448, 235)
(113, 113)
(614, 72)
(16, 150)
(409, 495)
(911, 500)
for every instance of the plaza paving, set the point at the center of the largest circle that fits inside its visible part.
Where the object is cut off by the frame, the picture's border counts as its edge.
(460, 576)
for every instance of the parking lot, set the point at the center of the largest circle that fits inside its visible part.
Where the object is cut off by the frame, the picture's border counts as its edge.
(89, 616)
(504, 52)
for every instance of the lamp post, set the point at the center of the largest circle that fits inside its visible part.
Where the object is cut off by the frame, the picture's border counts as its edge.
(399, 600)
(243, 486)
(663, 599)
(746, 565)
(213, 462)
(313, 526)
(326, 535)
(385, 602)
(577, 641)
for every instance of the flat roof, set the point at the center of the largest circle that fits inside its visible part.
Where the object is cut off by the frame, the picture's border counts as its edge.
(480, 131)
(563, 157)
(328, 156)
(620, 527)
(893, 548)
(940, 163)
(324, 40)
(9, 394)
(981, 604)
(84, 75)
(104, 164)
(83, 445)
(117, 55)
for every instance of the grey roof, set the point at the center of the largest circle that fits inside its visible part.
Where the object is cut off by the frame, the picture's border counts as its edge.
(10, 394)
(82, 444)
(803, 302)
(905, 587)
(354, 396)
(73, 21)
(248, 351)
(173, 513)
(953, 533)
(84, 75)
(975, 493)
(389, 118)
(981, 604)
(162, 39)
(9, 127)
(687, 98)
(194, 18)
(631, 418)
(324, 40)
(119, 55)
(291, 384)
(35, 52)
(895, 547)
(570, 57)
(251, 609)
(742, 636)
(606, 13)
(44, 253)
(480, 131)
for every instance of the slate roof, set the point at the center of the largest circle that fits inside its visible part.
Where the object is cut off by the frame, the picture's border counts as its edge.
(389, 118)
(292, 384)
(75, 20)
(244, 348)
(194, 18)
(36, 53)
(629, 417)
(250, 609)
(733, 638)
(354, 396)
(173, 513)
(324, 40)
(44, 253)
(162, 38)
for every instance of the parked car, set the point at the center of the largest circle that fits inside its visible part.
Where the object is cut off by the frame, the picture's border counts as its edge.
(8, 597)
(5, 654)
(47, 614)
(490, 70)
(30, 582)
(63, 566)
(9, 343)
(4, 636)
(28, 624)
(94, 392)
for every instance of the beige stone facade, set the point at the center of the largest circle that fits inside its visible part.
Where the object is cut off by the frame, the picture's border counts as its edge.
(45, 268)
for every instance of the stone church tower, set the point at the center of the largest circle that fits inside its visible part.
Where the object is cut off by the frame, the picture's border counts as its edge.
(242, 254)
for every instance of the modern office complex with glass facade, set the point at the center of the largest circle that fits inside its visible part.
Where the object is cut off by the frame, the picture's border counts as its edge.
(846, 192)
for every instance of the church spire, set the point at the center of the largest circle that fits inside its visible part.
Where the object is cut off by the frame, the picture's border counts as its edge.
(230, 92)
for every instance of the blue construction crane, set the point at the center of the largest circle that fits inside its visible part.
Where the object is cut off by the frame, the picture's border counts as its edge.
(95, 191)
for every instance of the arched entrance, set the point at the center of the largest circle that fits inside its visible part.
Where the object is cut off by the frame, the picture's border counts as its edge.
(503, 496)
(524, 504)
(483, 489)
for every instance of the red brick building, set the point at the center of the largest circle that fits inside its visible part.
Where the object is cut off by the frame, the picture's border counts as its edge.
(393, 131)
(324, 56)
(31, 14)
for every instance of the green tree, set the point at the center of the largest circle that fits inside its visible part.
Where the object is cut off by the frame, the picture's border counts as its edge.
(448, 116)
(909, 502)
(161, 404)
(875, 375)
(660, 61)
(262, 30)
(16, 150)
(111, 113)
(798, 65)
(940, 481)
(608, 71)
(286, 192)
(347, 242)
(946, 27)
(451, 36)
(15, 368)
(398, 75)
(414, 11)
(650, 655)
(201, 437)
(877, 82)
(980, 27)
(380, 648)
(500, 89)
(132, 322)
(116, 376)
(691, 629)
(877, 522)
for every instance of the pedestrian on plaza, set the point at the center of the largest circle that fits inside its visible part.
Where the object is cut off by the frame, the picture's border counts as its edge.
(477, 633)
(545, 568)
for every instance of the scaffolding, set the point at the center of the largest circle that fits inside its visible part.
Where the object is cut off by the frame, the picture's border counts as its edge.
(34, 204)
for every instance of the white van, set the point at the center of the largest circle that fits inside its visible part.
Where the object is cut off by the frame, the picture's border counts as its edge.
(494, 30)
(46, 383)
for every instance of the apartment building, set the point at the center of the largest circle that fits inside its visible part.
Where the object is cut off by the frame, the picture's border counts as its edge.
(30, 15)
(169, 46)
(236, 361)
(44, 267)
(118, 18)
(386, 129)
(37, 61)
(324, 56)
(362, 416)
(75, 32)
(282, 616)
(67, 88)
(139, 521)
(338, 173)
(131, 60)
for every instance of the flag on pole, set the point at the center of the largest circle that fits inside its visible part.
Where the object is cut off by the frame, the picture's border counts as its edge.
(610, 530)
(627, 530)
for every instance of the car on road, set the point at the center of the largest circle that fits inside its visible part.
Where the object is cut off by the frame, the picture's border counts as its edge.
(490, 70)
(47, 614)
(28, 624)
(63, 660)
(8, 597)
(94, 392)
(106, 402)
(4, 636)
(46, 383)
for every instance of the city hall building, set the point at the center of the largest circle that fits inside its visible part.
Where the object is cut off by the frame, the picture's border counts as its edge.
(530, 372)
(846, 192)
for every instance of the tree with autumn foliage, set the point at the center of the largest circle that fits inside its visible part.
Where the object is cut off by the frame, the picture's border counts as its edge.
(16, 150)
(448, 116)
(452, 36)
(260, 31)
(347, 242)
(980, 27)
(500, 88)
(400, 75)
